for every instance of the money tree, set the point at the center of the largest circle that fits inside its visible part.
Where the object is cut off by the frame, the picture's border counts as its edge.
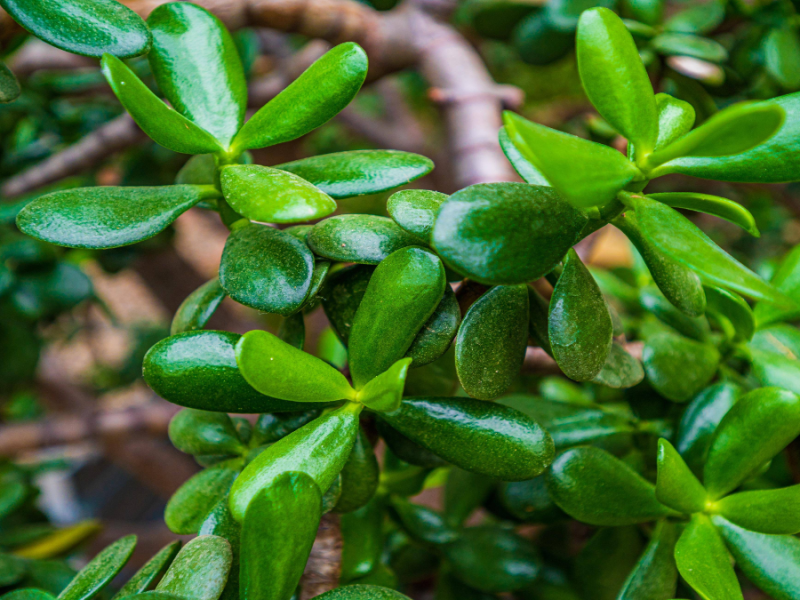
(669, 459)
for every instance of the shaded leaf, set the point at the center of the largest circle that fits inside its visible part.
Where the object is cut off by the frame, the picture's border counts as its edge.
(198, 308)
(358, 238)
(677, 367)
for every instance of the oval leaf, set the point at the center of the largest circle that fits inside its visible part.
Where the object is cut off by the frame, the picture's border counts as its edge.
(362, 592)
(198, 308)
(151, 572)
(677, 367)
(676, 486)
(100, 571)
(200, 570)
(357, 238)
(203, 432)
(415, 211)
(655, 575)
(435, 337)
(196, 498)
(765, 511)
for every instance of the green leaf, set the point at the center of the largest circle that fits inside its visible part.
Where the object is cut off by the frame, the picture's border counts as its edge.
(681, 286)
(200, 432)
(410, 282)
(529, 501)
(314, 98)
(606, 561)
(774, 369)
(700, 419)
(781, 48)
(87, 27)
(604, 171)
(579, 327)
(733, 130)
(723, 208)
(621, 370)
(107, 217)
(772, 562)
(704, 563)
(422, 523)
(198, 308)
(464, 492)
(279, 528)
(682, 44)
(151, 572)
(357, 238)
(477, 436)
(755, 429)
(197, 67)
(164, 125)
(655, 575)
(522, 165)
(701, 18)
(677, 367)
(678, 238)
(273, 196)
(594, 487)
(505, 233)
(497, 320)
(292, 330)
(28, 594)
(415, 211)
(342, 296)
(362, 592)
(385, 391)
(781, 338)
(200, 570)
(100, 571)
(360, 476)
(787, 280)
(220, 522)
(198, 370)
(723, 304)
(435, 337)
(615, 79)
(360, 172)
(676, 485)
(675, 119)
(196, 498)
(319, 449)
(9, 85)
(362, 537)
(407, 451)
(280, 370)
(765, 511)
(493, 559)
(266, 269)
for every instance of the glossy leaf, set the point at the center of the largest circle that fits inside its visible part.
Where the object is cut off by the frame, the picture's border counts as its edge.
(681, 44)
(766, 511)
(655, 575)
(415, 211)
(477, 436)
(198, 308)
(360, 476)
(787, 280)
(604, 171)
(164, 125)
(365, 239)
(88, 27)
(621, 370)
(731, 131)
(497, 320)
(505, 233)
(755, 429)
(198, 370)
(220, 522)
(362, 592)
(410, 283)
(200, 570)
(197, 67)
(150, 572)
(196, 498)
(273, 196)
(280, 370)
(677, 367)
(615, 79)
(360, 172)
(100, 571)
(9, 85)
(28, 594)
(522, 165)
(676, 486)
(675, 119)
(319, 449)
(385, 391)
(107, 217)
(781, 48)
(579, 327)
(342, 296)
(723, 208)
(266, 269)
(772, 562)
(529, 501)
(315, 97)
(703, 561)
(422, 523)
(596, 488)
(203, 432)
(774, 369)
(676, 236)
(279, 528)
(730, 306)
(436, 335)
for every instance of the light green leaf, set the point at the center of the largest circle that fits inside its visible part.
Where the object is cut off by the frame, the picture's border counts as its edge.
(196, 498)
(703, 561)
(522, 165)
(723, 208)
(100, 571)
(675, 119)
(766, 511)
(385, 391)
(200, 570)
(787, 280)
(676, 486)
(198, 308)
(726, 305)
(781, 47)
(152, 570)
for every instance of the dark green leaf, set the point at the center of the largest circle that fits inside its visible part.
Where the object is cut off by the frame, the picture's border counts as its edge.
(435, 337)
(505, 233)
(362, 537)
(88, 27)
(704, 563)
(540, 42)
(362, 592)
(100, 571)
(273, 196)
(360, 476)
(9, 86)
(415, 211)
(202, 432)
(712, 205)
(197, 309)
(409, 452)
(787, 280)
(776, 369)
(196, 498)
(655, 576)
(529, 501)
(220, 522)
(478, 436)
(164, 125)
(595, 487)
(580, 328)
(621, 370)
(422, 523)
(464, 492)
(315, 97)
(360, 172)
(277, 534)
(358, 238)
(677, 367)
(151, 572)
(197, 67)
(342, 296)
(606, 561)
(266, 269)
(410, 283)
(676, 486)
(107, 217)
(700, 18)
(200, 570)
(28, 594)
(292, 330)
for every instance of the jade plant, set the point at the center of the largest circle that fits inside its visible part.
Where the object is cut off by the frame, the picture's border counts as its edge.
(432, 310)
